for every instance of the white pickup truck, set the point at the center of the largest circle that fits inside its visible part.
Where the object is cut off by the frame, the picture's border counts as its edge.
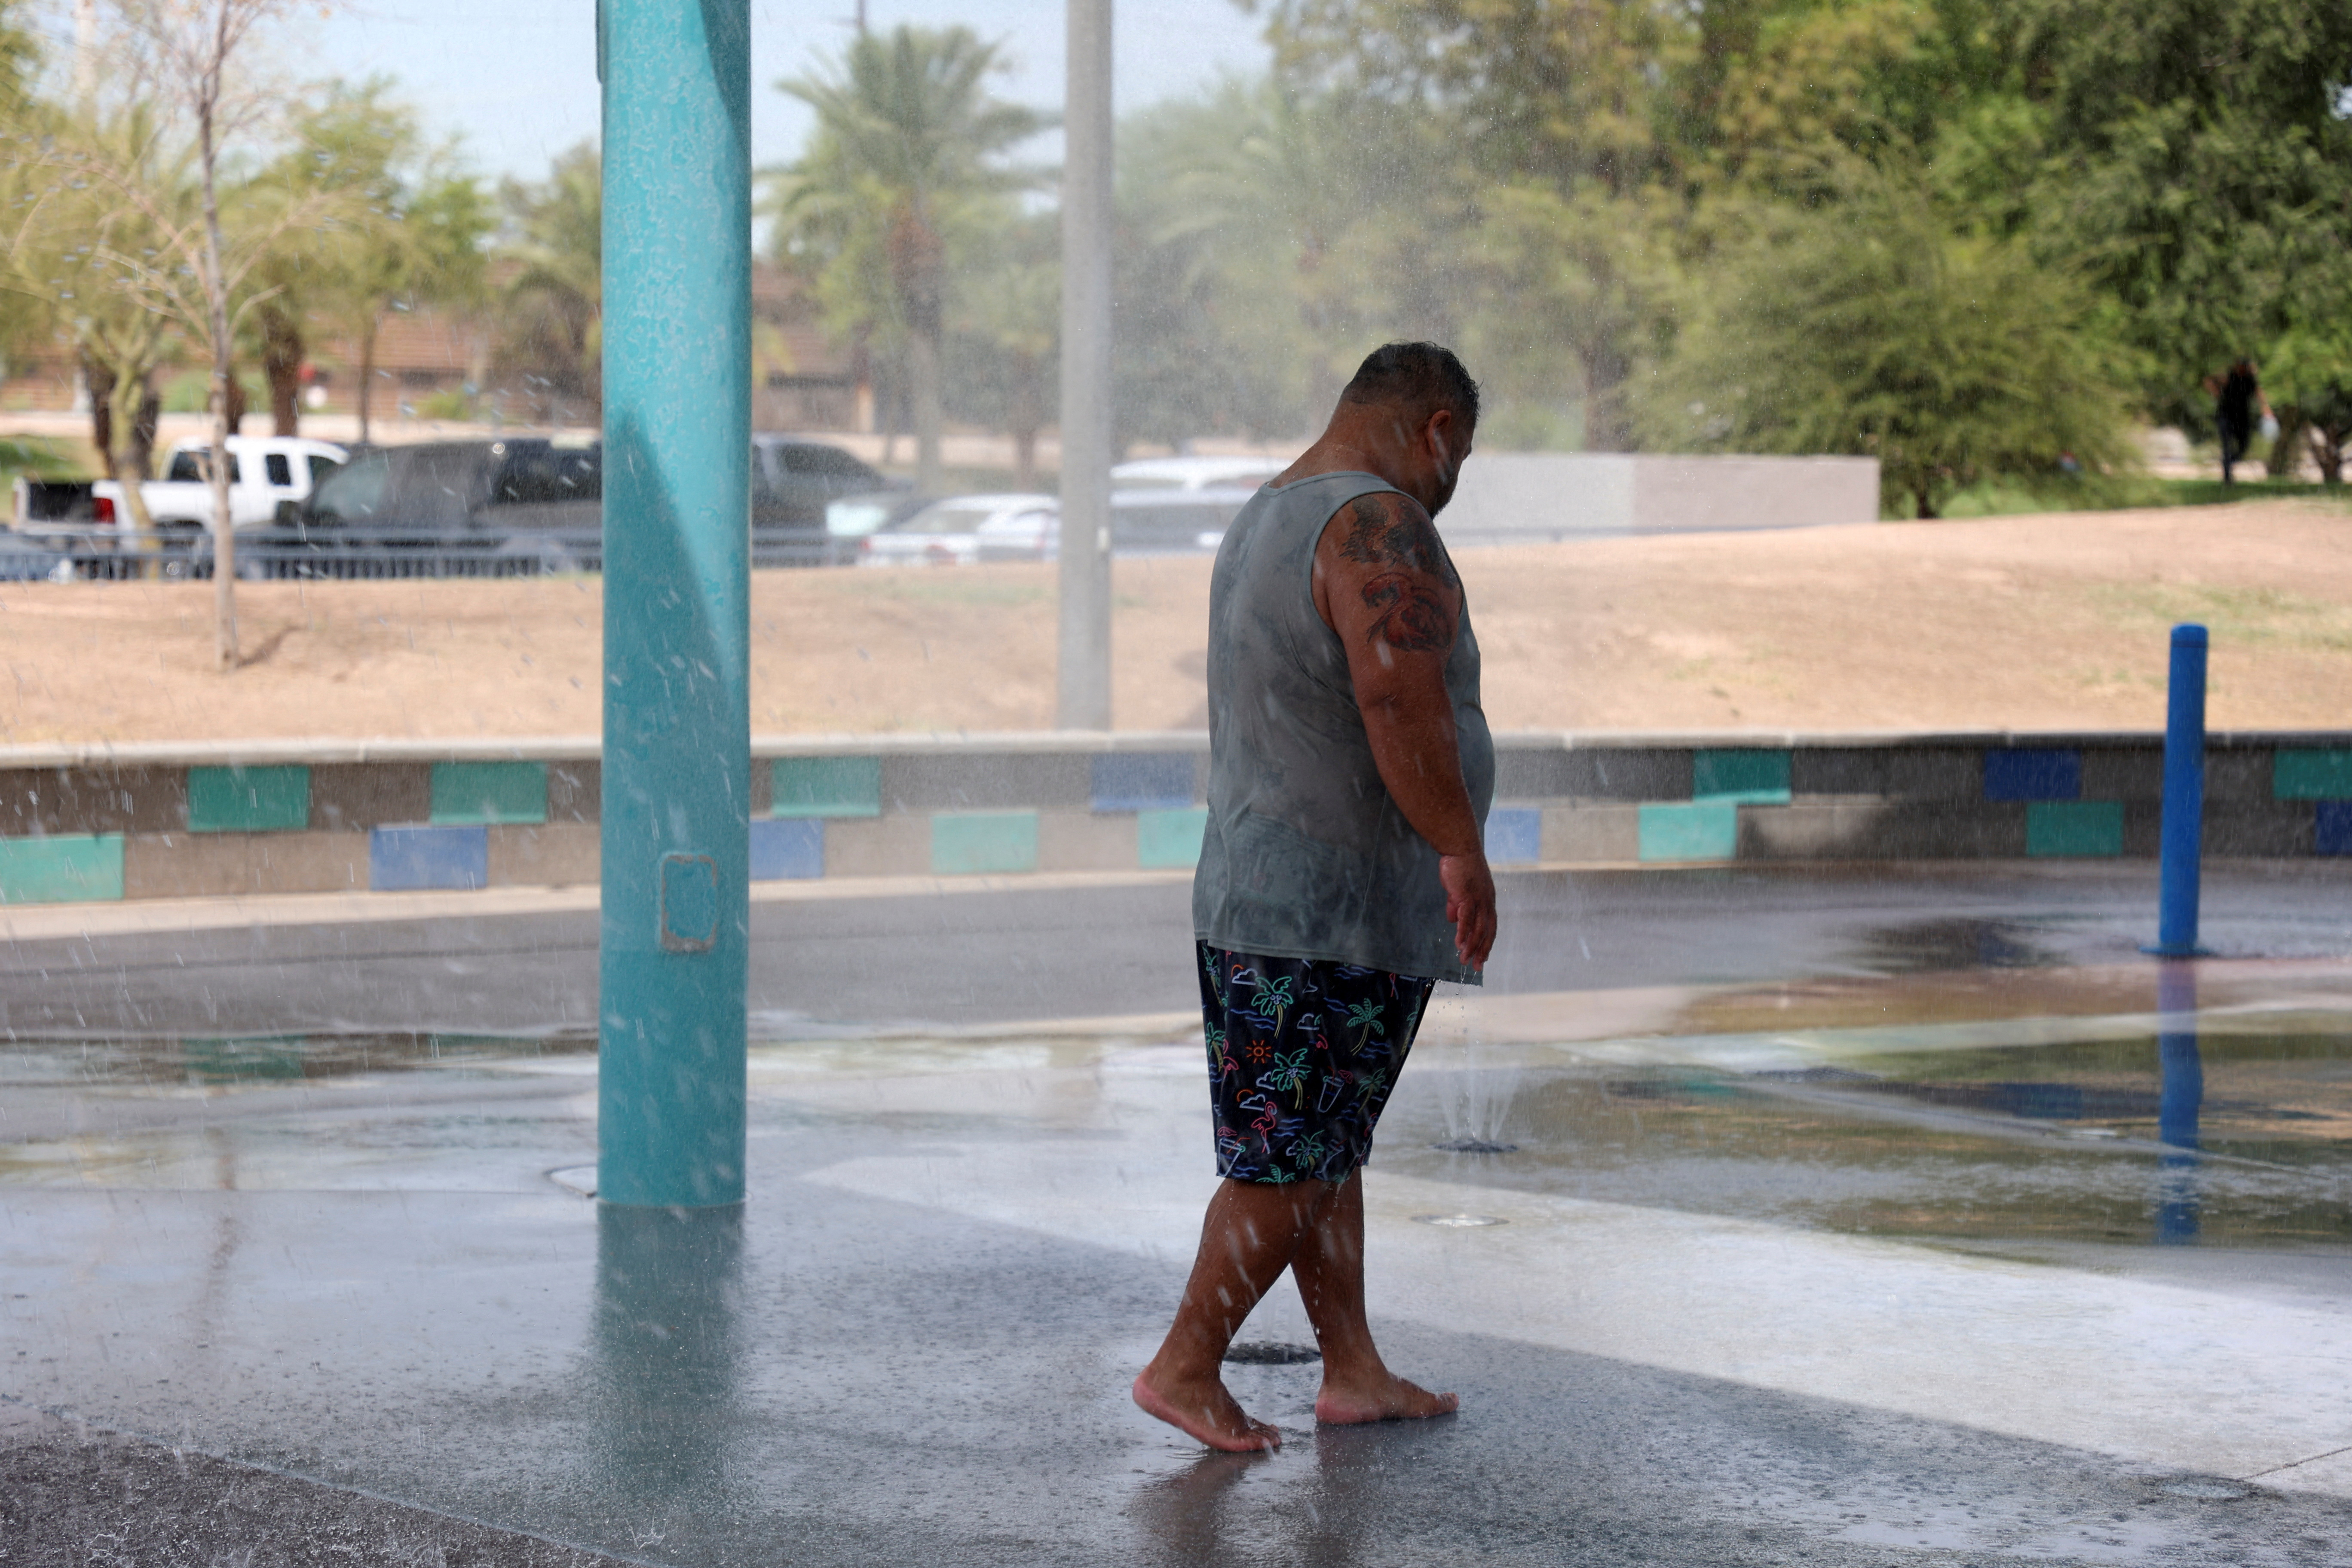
(263, 472)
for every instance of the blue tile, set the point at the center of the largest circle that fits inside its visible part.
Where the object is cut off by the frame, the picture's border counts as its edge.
(1515, 835)
(1743, 777)
(407, 859)
(787, 848)
(2074, 828)
(825, 786)
(62, 869)
(2020, 773)
(1142, 781)
(1694, 830)
(966, 842)
(2335, 827)
(1169, 840)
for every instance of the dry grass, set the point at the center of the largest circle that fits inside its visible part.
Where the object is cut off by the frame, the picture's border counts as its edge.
(2051, 621)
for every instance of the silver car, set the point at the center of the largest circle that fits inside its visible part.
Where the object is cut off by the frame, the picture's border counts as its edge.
(963, 530)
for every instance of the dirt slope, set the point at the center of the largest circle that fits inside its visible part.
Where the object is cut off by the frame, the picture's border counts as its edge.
(2036, 621)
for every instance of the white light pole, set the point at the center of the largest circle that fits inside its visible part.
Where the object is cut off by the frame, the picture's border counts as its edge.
(1083, 698)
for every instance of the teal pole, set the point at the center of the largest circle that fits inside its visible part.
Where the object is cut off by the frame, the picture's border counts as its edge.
(677, 440)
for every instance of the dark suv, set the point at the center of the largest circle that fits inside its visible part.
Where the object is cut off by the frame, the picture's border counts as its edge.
(528, 503)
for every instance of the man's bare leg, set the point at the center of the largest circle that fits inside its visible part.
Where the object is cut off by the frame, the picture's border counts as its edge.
(1330, 1267)
(1252, 1232)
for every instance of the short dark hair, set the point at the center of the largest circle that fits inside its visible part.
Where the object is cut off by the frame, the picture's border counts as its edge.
(1421, 377)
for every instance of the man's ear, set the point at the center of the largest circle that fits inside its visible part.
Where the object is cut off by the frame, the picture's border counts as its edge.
(1440, 435)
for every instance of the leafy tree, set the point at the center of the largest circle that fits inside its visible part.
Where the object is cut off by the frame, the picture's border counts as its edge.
(1267, 239)
(409, 226)
(552, 332)
(82, 254)
(2309, 377)
(2202, 161)
(1872, 328)
(885, 206)
(1004, 335)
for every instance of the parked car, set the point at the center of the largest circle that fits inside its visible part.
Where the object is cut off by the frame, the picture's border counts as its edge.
(1142, 522)
(1190, 521)
(1195, 473)
(265, 474)
(523, 503)
(849, 520)
(1029, 527)
(950, 532)
(796, 481)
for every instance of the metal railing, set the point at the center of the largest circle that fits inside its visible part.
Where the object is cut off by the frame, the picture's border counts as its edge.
(292, 551)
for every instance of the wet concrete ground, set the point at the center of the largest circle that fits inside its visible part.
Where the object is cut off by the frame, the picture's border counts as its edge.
(1863, 1228)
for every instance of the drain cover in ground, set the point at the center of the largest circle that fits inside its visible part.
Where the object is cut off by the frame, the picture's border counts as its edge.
(1476, 1146)
(1458, 1221)
(2205, 1491)
(1271, 1353)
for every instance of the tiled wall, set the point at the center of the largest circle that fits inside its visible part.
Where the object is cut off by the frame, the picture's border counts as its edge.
(1932, 799)
(143, 831)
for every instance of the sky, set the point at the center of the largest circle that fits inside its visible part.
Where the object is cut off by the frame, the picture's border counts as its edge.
(518, 78)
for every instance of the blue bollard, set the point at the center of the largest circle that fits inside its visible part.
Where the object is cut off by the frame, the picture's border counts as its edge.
(677, 745)
(2184, 797)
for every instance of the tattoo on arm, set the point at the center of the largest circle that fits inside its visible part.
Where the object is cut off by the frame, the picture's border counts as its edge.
(1413, 619)
(1408, 594)
(1391, 529)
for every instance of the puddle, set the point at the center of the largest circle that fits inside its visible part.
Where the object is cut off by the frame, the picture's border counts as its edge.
(2240, 1138)
(1921, 947)
(222, 1062)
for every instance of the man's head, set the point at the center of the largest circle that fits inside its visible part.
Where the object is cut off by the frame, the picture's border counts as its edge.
(1416, 408)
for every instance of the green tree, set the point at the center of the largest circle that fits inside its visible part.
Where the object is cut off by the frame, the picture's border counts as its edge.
(1005, 335)
(2308, 375)
(1871, 327)
(96, 193)
(553, 245)
(2201, 161)
(886, 204)
(1267, 238)
(409, 226)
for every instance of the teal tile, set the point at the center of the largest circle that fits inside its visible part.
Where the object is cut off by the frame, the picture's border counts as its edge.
(2310, 772)
(64, 868)
(825, 786)
(2057, 828)
(1748, 777)
(1168, 840)
(963, 842)
(1701, 830)
(250, 800)
(467, 792)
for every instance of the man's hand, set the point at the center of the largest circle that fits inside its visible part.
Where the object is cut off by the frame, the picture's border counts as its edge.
(1470, 905)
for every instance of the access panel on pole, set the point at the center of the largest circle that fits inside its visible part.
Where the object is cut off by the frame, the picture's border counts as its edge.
(676, 757)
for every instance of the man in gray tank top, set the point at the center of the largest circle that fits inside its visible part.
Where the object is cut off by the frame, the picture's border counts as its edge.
(1343, 872)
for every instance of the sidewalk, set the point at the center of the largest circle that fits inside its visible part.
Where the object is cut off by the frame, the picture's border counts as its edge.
(914, 1342)
(1837, 1222)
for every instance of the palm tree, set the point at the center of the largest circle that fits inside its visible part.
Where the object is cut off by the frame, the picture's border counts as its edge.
(554, 330)
(903, 160)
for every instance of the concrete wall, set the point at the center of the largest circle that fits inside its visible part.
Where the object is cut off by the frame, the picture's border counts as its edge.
(1508, 496)
(215, 820)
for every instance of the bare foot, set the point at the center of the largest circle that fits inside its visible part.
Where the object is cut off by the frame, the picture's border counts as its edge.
(1205, 1411)
(1382, 1397)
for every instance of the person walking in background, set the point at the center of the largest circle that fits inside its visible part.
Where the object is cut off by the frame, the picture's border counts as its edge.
(2237, 394)
(1342, 874)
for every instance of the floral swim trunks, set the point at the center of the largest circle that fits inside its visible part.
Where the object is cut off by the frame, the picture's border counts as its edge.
(1302, 1055)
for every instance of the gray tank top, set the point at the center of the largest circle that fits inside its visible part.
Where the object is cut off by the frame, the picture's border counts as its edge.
(1306, 856)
